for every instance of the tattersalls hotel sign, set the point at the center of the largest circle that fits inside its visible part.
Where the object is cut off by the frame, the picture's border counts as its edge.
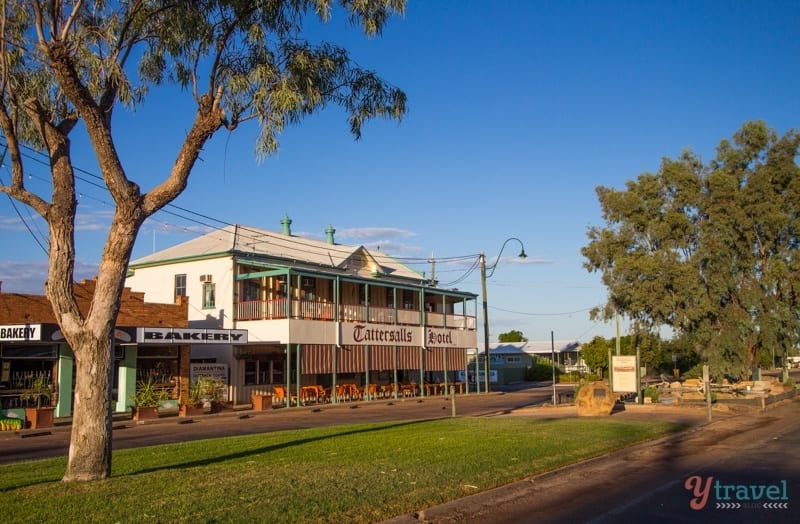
(391, 335)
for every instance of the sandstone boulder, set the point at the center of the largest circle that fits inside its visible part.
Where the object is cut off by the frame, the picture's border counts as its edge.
(595, 399)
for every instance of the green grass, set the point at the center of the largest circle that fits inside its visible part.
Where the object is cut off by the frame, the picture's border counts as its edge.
(360, 473)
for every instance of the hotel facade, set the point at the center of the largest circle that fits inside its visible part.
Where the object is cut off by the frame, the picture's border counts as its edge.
(316, 313)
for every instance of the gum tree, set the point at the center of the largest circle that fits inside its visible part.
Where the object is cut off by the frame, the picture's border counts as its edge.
(710, 250)
(68, 62)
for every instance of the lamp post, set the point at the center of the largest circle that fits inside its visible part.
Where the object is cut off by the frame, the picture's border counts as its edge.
(484, 276)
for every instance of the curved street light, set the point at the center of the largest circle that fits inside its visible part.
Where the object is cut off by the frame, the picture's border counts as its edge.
(484, 276)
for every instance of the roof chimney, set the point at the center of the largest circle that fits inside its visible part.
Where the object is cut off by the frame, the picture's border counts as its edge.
(329, 234)
(286, 222)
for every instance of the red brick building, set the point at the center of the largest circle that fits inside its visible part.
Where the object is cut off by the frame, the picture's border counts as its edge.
(31, 347)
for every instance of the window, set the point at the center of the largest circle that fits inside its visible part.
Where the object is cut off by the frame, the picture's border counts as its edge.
(180, 285)
(408, 299)
(252, 290)
(513, 360)
(208, 295)
(308, 286)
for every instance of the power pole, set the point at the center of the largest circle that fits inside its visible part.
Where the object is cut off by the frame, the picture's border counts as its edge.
(482, 259)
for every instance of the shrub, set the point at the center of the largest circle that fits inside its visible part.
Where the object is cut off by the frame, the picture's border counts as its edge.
(540, 371)
(652, 392)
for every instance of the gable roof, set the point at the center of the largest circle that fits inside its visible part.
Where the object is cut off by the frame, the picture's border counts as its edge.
(539, 347)
(283, 249)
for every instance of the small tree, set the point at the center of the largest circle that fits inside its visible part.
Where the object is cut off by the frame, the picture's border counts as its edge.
(512, 336)
(65, 63)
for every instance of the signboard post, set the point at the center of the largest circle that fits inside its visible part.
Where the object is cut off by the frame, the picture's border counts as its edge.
(624, 374)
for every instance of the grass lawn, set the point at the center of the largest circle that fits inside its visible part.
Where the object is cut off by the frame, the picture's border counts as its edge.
(358, 473)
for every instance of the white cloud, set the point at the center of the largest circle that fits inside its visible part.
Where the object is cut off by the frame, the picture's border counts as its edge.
(29, 277)
(373, 233)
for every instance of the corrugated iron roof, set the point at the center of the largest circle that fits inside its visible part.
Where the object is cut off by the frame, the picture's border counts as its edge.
(287, 249)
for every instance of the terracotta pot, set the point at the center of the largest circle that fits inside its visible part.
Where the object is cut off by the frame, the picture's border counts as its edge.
(261, 402)
(191, 411)
(40, 417)
(145, 413)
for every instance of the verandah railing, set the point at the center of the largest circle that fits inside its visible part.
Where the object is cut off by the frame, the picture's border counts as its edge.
(319, 310)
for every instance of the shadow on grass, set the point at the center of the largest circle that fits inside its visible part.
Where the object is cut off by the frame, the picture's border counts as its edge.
(267, 449)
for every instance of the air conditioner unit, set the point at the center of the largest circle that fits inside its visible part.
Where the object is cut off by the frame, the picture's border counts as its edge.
(205, 278)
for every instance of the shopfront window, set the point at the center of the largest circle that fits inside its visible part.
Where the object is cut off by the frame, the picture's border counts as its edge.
(159, 364)
(20, 367)
(264, 370)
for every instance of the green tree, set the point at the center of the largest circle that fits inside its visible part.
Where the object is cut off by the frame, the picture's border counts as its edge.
(65, 63)
(512, 336)
(595, 353)
(709, 249)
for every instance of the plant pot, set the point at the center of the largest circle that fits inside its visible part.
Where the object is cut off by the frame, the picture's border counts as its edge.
(145, 413)
(191, 411)
(40, 417)
(261, 402)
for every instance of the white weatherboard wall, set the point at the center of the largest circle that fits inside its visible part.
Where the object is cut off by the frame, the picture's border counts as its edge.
(158, 285)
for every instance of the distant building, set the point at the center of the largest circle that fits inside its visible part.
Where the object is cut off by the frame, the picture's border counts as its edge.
(510, 361)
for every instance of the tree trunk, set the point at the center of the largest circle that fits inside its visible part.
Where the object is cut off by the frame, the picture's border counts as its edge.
(90, 442)
(93, 343)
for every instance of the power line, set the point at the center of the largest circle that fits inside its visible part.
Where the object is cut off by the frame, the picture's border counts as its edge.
(244, 232)
(16, 209)
(544, 314)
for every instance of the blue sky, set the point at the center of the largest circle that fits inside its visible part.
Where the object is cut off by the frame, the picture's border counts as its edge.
(518, 110)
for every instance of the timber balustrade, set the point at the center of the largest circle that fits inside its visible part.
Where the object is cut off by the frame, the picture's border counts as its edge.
(320, 310)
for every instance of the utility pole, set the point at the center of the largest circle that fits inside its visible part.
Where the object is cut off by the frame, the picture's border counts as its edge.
(553, 362)
(482, 259)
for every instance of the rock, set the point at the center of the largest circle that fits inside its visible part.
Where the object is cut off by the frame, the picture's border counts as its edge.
(595, 399)
(693, 383)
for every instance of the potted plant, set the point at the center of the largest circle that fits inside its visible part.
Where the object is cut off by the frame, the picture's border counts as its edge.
(146, 399)
(194, 405)
(211, 392)
(38, 411)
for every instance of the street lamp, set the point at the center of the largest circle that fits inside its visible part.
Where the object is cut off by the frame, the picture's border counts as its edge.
(484, 276)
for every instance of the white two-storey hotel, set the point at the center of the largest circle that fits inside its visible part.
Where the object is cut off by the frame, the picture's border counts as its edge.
(315, 313)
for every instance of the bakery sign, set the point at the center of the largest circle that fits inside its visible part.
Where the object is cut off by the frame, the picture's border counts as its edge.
(21, 333)
(146, 335)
